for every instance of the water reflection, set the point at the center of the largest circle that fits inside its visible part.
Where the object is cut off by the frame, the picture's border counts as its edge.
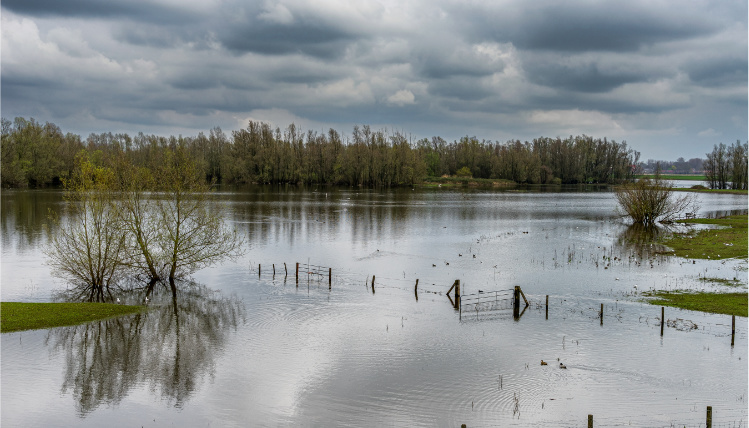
(23, 217)
(169, 348)
(642, 241)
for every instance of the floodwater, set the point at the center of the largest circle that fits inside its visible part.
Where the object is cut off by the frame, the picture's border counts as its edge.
(247, 348)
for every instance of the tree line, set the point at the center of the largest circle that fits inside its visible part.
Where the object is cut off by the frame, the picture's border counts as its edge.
(726, 166)
(37, 155)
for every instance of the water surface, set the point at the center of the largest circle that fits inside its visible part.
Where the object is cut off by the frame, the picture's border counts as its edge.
(246, 347)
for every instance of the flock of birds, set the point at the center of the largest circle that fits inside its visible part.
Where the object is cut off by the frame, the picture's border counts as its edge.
(561, 365)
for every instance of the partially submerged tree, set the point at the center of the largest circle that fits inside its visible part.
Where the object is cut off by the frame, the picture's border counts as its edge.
(88, 248)
(137, 216)
(129, 222)
(648, 201)
(192, 235)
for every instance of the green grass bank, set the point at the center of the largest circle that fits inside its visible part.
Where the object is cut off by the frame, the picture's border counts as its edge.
(714, 303)
(726, 242)
(15, 316)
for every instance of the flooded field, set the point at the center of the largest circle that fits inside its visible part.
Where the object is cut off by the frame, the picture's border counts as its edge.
(247, 347)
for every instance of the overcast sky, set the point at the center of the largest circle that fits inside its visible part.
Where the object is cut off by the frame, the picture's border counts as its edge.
(669, 77)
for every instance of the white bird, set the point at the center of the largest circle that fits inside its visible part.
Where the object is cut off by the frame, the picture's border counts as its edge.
(146, 299)
(635, 286)
(118, 300)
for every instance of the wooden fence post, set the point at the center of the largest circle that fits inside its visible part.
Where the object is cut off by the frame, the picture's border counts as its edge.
(258, 270)
(516, 302)
(373, 278)
(663, 319)
(297, 274)
(416, 289)
(330, 278)
(285, 270)
(457, 292)
(274, 270)
(709, 417)
(733, 328)
(547, 306)
(590, 421)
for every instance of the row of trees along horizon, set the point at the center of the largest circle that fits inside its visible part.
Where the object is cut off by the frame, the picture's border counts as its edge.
(39, 155)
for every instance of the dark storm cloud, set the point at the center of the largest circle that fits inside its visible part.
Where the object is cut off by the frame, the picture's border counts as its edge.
(577, 27)
(583, 76)
(716, 72)
(320, 42)
(309, 35)
(453, 62)
(143, 10)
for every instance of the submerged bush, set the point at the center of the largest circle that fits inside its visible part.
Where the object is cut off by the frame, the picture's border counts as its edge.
(649, 201)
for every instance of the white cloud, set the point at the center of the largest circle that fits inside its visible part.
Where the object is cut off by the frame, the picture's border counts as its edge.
(402, 97)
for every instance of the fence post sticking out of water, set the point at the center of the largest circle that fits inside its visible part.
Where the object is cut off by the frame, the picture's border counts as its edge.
(733, 327)
(297, 272)
(274, 270)
(601, 313)
(590, 421)
(663, 319)
(416, 289)
(547, 306)
(258, 270)
(285, 270)
(516, 302)
(457, 292)
(709, 417)
(373, 278)
(330, 278)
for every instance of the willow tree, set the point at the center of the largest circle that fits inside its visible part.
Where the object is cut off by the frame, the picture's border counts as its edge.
(88, 247)
(648, 201)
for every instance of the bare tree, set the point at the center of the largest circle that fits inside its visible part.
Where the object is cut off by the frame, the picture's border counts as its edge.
(137, 216)
(649, 201)
(192, 235)
(88, 248)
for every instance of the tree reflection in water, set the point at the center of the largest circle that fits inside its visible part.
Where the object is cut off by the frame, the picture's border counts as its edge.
(171, 348)
(642, 241)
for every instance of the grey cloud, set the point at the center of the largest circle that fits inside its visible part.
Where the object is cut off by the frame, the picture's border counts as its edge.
(585, 26)
(142, 10)
(716, 72)
(583, 76)
(458, 88)
(452, 61)
(307, 36)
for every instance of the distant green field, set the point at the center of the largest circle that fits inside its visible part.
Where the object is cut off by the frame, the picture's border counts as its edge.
(674, 177)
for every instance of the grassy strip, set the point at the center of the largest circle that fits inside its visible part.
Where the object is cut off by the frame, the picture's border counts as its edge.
(466, 181)
(714, 303)
(674, 177)
(728, 191)
(15, 316)
(724, 243)
(722, 281)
